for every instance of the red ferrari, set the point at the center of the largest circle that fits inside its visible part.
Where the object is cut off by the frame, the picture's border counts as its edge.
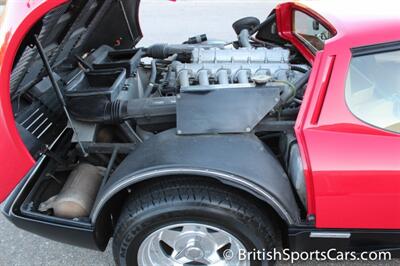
(286, 136)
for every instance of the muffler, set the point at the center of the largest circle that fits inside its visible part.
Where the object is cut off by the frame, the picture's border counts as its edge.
(78, 194)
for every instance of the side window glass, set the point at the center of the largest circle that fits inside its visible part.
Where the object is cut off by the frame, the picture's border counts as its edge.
(373, 89)
(311, 32)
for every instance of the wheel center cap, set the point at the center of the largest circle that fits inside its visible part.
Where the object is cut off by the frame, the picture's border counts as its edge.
(194, 253)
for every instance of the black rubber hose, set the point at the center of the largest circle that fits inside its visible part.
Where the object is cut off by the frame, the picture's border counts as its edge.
(289, 112)
(301, 82)
(101, 110)
(162, 51)
(95, 109)
(149, 108)
(299, 69)
(153, 75)
(290, 90)
(152, 80)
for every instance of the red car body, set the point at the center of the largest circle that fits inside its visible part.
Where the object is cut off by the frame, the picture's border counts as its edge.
(352, 169)
(20, 16)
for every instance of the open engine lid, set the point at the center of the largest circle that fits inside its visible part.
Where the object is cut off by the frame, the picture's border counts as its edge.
(66, 29)
(75, 28)
(114, 23)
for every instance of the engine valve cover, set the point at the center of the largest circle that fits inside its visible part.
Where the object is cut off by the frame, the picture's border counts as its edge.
(229, 66)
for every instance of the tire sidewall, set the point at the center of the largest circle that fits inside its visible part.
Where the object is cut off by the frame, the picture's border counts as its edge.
(152, 220)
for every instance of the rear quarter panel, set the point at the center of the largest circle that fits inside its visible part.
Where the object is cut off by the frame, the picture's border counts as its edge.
(354, 168)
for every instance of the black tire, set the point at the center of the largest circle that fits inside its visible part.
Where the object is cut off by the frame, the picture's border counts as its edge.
(180, 200)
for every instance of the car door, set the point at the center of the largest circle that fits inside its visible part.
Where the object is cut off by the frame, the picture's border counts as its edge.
(350, 131)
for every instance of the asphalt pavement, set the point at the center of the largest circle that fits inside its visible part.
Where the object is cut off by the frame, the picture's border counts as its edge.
(166, 22)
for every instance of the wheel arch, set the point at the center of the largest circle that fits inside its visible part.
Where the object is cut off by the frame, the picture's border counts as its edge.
(112, 205)
(217, 158)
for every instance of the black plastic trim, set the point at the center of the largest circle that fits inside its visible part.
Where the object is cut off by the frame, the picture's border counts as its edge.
(78, 233)
(82, 237)
(376, 49)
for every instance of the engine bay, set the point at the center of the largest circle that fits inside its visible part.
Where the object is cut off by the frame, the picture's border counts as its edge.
(103, 103)
(154, 85)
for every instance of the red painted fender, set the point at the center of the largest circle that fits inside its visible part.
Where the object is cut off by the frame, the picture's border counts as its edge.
(19, 17)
